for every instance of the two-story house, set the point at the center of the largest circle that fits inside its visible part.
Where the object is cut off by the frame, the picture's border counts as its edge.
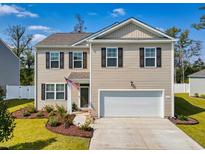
(124, 70)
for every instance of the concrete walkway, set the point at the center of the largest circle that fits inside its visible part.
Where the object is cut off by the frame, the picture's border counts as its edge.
(139, 133)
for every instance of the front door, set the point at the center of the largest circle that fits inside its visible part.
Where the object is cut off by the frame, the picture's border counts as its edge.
(84, 97)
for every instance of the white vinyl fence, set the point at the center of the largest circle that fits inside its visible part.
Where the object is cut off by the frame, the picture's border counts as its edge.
(19, 92)
(181, 88)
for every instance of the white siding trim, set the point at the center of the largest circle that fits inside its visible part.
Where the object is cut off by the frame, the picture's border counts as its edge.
(172, 78)
(162, 102)
(130, 41)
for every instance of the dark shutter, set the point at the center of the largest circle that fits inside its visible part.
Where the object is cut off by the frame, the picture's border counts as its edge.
(84, 59)
(61, 60)
(70, 60)
(120, 57)
(103, 57)
(47, 60)
(141, 57)
(42, 91)
(159, 57)
(66, 92)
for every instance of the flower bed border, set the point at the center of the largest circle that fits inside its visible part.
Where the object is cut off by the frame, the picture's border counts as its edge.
(191, 121)
(71, 131)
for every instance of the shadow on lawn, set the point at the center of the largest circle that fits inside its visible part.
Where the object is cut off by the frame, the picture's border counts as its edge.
(37, 145)
(182, 106)
(15, 102)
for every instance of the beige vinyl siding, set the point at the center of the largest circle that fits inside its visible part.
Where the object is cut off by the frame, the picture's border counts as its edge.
(143, 78)
(56, 75)
(130, 31)
(197, 86)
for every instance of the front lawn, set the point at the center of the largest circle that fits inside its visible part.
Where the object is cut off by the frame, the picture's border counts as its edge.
(195, 108)
(31, 134)
(15, 104)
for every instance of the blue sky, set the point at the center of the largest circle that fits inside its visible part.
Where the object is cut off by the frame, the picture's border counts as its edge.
(44, 19)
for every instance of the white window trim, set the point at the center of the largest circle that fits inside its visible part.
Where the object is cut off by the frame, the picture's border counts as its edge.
(55, 60)
(54, 91)
(112, 57)
(155, 65)
(78, 60)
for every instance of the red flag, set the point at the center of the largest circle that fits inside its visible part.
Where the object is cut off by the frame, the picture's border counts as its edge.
(76, 85)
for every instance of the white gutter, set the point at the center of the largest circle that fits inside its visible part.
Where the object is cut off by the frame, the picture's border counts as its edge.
(60, 46)
(131, 41)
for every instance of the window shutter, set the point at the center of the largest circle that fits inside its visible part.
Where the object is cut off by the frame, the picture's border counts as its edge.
(42, 91)
(66, 92)
(47, 60)
(141, 57)
(84, 59)
(70, 60)
(159, 57)
(61, 60)
(120, 57)
(103, 57)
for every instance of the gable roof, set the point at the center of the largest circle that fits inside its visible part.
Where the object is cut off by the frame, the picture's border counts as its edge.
(200, 74)
(3, 43)
(62, 39)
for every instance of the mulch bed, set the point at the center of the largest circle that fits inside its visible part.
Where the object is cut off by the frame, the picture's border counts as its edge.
(71, 131)
(18, 114)
(190, 121)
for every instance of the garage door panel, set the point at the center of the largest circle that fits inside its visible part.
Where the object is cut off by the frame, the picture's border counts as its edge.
(130, 103)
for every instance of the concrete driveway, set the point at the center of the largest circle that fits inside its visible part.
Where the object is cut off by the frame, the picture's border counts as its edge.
(139, 133)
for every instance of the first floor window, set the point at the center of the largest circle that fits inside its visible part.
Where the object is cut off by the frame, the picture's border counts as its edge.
(78, 59)
(112, 57)
(55, 91)
(150, 57)
(55, 59)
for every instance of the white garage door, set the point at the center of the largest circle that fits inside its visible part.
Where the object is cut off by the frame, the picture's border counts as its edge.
(131, 104)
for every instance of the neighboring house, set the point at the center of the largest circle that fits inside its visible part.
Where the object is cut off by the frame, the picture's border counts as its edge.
(124, 70)
(9, 66)
(197, 83)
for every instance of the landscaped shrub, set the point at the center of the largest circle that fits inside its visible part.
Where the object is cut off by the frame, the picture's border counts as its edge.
(2, 93)
(31, 109)
(196, 95)
(86, 126)
(52, 113)
(53, 121)
(74, 107)
(68, 120)
(61, 111)
(202, 96)
(49, 108)
(40, 114)
(26, 113)
(182, 117)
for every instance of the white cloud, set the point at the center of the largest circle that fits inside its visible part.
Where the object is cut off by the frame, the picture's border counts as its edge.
(118, 12)
(38, 37)
(15, 10)
(39, 27)
(92, 13)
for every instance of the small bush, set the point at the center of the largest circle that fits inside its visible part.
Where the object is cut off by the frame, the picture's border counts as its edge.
(196, 95)
(61, 111)
(49, 108)
(2, 93)
(52, 113)
(26, 113)
(40, 114)
(86, 126)
(74, 107)
(52, 121)
(202, 96)
(182, 117)
(31, 109)
(68, 120)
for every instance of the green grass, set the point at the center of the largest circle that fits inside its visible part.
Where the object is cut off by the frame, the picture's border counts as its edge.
(16, 104)
(31, 134)
(194, 108)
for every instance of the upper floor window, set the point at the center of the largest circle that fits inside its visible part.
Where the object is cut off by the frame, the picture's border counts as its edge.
(150, 57)
(55, 59)
(77, 59)
(111, 57)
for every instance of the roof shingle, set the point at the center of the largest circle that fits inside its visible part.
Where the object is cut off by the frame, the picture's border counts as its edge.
(200, 74)
(78, 75)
